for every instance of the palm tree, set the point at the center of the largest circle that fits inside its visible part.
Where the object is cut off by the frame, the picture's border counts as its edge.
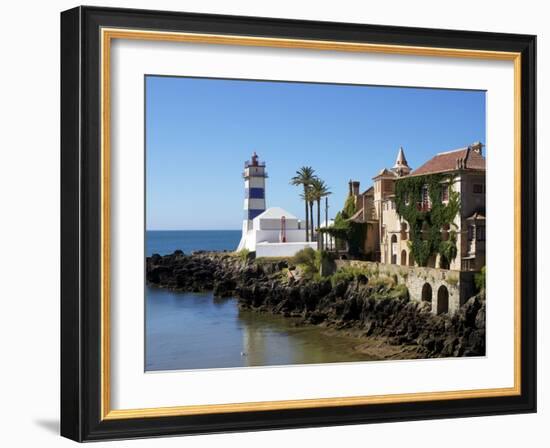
(304, 177)
(318, 190)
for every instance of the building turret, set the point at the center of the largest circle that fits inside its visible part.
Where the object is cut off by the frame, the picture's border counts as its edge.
(401, 166)
(254, 194)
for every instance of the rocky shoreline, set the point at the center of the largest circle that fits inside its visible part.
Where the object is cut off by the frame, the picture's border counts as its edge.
(358, 306)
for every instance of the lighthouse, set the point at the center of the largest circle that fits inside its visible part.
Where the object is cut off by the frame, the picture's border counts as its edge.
(254, 194)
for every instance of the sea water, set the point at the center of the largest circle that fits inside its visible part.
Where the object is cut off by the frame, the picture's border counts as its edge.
(199, 331)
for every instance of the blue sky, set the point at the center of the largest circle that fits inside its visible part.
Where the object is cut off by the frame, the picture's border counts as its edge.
(199, 132)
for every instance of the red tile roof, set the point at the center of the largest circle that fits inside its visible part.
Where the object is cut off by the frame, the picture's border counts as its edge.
(464, 158)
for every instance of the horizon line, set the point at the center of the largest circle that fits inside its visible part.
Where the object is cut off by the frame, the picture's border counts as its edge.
(190, 230)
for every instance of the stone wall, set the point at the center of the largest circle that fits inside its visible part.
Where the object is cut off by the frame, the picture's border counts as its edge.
(446, 290)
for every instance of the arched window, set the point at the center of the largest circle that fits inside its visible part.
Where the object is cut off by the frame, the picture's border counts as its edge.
(403, 257)
(427, 293)
(403, 231)
(442, 300)
(393, 249)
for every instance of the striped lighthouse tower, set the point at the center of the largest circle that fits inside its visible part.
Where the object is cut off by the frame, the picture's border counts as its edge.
(254, 199)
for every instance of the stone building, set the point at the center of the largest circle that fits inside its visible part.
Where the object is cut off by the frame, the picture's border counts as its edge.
(459, 176)
(388, 233)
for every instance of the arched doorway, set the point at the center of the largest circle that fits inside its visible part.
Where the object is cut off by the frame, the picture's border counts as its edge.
(442, 300)
(393, 249)
(427, 293)
(403, 257)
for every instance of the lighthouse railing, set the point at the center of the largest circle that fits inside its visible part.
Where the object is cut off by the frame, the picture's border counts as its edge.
(249, 164)
(245, 174)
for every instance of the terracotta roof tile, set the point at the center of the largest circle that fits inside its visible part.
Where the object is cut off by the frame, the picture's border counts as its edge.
(450, 161)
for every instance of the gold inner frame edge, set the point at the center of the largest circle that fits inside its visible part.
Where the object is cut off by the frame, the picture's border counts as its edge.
(107, 35)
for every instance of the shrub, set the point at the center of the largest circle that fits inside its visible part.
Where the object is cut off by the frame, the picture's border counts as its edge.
(349, 273)
(243, 255)
(383, 280)
(480, 279)
(308, 260)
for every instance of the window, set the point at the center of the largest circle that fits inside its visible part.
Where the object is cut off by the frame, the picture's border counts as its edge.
(424, 204)
(480, 233)
(470, 233)
(425, 194)
(403, 231)
(445, 193)
(479, 188)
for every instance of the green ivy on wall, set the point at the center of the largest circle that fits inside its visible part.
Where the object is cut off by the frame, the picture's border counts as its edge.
(425, 225)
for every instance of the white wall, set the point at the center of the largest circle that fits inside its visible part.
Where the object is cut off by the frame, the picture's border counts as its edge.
(281, 249)
(272, 236)
(275, 224)
(29, 173)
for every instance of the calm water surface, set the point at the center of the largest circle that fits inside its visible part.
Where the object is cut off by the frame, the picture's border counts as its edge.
(165, 242)
(198, 331)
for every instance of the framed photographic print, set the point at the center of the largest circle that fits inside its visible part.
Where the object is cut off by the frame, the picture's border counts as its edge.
(273, 223)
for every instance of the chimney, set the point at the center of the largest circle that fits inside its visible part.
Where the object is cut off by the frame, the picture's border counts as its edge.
(355, 187)
(477, 147)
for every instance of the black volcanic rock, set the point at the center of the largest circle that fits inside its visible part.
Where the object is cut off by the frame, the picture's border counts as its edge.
(374, 310)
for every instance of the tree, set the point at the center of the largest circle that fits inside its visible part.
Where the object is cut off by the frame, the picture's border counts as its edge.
(304, 177)
(318, 190)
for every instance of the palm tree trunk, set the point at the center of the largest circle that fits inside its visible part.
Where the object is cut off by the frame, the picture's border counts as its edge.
(318, 222)
(311, 217)
(326, 220)
(307, 214)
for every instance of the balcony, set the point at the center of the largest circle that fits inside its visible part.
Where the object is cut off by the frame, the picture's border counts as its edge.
(245, 175)
(249, 164)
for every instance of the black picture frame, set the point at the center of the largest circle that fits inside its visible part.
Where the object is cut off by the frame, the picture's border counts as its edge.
(81, 226)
